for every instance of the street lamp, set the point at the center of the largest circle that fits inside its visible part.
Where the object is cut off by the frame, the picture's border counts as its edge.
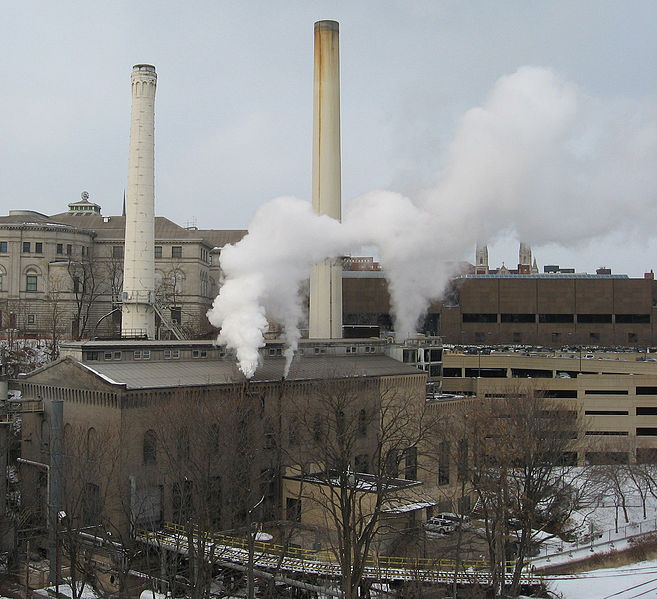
(251, 543)
(61, 516)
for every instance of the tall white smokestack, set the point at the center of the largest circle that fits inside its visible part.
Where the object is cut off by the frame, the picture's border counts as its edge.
(138, 316)
(326, 278)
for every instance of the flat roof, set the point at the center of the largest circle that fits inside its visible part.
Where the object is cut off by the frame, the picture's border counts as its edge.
(171, 373)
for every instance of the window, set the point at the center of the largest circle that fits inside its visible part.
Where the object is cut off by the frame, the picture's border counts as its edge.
(91, 355)
(38, 247)
(176, 251)
(293, 509)
(107, 355)
(594, 337)
(3, 247)
(594, 318)
(362, 463)
(181, 501)
(555, 318)
(158, 251)
(136, 355)
(30, 282)
(146, 354)
(633, 318)
(117, 251)
(150, 447)
(462, 460)
(117, 355)
(647, 455)
(410, 463)
(632, 338)
(90, 504)
(292, 431)
(479, 317)
(31, 318)
(645, 411)
(69, 249)
(60, 248)
(199, 353)
(183, 446)
(26, 247)
(443, 463)
(392, 464)
(408, 356)
(171, 354)
(1, 275)
(362, 423)
(176, 315)
(529, 318)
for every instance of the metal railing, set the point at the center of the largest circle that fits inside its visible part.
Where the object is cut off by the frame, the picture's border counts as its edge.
(595, 539)
(167, 321)
(221, 547)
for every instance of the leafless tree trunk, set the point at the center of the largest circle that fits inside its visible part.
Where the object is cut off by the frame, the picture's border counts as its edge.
(347, 439)
(522, 470)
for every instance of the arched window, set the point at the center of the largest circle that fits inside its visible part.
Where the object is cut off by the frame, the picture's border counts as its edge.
(362, 423)
(31, 280)
(150, 447)
(215, 437)
(183, 445)
(92, 440)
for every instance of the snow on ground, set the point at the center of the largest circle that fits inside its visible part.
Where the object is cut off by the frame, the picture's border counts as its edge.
(64, 591)
(626, 582)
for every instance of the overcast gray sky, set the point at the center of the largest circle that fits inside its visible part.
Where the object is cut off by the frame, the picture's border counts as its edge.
(234, 99)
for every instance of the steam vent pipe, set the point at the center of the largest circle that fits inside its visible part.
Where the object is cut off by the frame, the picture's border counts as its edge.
(326, 278)
(138, 316)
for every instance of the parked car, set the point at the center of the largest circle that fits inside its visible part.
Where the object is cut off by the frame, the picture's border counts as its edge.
(457, 519)
(440, 525)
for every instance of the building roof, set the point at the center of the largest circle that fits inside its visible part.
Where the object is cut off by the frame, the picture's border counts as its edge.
(219, 238)
(171, 373)
(548, 275)
(113, 227)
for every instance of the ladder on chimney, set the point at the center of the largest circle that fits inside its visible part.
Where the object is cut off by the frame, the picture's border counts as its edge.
(162, 311)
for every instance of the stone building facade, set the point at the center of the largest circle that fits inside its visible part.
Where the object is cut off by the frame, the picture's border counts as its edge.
(62, 274)
(139, 396)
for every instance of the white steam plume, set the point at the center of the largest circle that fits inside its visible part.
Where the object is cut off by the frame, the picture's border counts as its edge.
(538, 157)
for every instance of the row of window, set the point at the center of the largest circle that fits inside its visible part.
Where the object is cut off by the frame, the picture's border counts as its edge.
(640, 411)
(176, 251)
(556, 318)
(139, 354)
(38, 248)
(556, 337)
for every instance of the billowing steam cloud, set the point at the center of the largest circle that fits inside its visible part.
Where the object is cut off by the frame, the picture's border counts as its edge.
(538, 158)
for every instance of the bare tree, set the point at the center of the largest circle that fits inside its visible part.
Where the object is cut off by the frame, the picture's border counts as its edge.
(209, 452)
(89, 283)
(522, 469)
(56, 315)
(348, 439)
(91, 461)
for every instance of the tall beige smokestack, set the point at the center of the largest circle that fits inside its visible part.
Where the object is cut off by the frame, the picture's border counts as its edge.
(138, 316)
(326, 278)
